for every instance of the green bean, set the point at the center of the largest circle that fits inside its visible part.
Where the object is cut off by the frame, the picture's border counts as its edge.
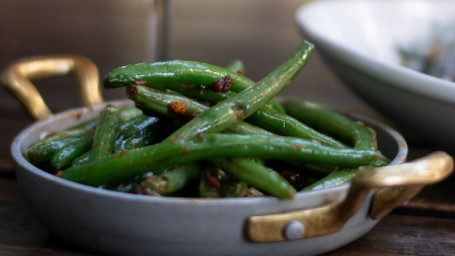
(125, 127)
(275, 105)
(239, 67)
(283, 124)
(173, 72)
(245, 103)
(211, 146)
(332, 123)
(44, 150)
(163, 103)
(40, 153)
(105, 134)
(80, 129)
(238, 107)
(39, 150)
(137, 127)
(170, 104)
(144, 96)
(178, 72)
(67, 154)
(127, 113)
(194, 91)
(265, 117)
(170, 180)
(136, 132)
(147, 132)
(258, 176)
(211, 132)
(82, 159)
(357, 134)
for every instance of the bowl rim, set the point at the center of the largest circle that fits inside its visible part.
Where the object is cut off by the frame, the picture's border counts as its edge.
(398, 75)
(82, 114)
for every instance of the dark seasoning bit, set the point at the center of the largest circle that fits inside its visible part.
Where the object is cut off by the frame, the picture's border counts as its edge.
(223, 84)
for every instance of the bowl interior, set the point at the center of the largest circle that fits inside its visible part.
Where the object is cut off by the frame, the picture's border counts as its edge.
(390, 143)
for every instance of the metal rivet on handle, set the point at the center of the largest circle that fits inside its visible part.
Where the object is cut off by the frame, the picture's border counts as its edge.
(294, 230)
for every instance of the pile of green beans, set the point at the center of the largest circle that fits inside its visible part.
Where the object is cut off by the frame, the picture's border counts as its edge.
(202, 130)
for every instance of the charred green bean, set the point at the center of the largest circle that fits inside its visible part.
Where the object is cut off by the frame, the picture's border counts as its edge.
(171, 180)
(170, 104)
(105, 134)
(211, 146)
(245, 103)
(63, 157)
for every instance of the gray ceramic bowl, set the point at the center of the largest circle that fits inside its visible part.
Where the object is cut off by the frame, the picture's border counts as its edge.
(126, 224)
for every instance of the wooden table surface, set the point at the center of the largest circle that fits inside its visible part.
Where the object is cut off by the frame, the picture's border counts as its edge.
(260, 32)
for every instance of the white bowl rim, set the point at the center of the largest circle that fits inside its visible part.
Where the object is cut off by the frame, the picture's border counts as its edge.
(400, 76)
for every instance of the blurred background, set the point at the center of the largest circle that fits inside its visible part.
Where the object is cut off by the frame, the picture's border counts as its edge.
(262, 33)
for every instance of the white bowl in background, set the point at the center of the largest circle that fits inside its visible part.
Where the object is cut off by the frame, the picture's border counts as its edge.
(358, 39)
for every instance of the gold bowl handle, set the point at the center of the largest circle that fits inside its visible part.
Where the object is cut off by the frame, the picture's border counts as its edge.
(407, 178)
(17, 79)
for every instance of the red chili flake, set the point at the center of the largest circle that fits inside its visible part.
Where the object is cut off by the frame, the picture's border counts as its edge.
(140, 82)
(228, 82)
(178, 108)
(131, 91)
(186, 150)
(200, 135)
(239, 114)
(59, 174)
(217, 86)
(212, 181)
(223, 84)
(239, 72)
(298, 146)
